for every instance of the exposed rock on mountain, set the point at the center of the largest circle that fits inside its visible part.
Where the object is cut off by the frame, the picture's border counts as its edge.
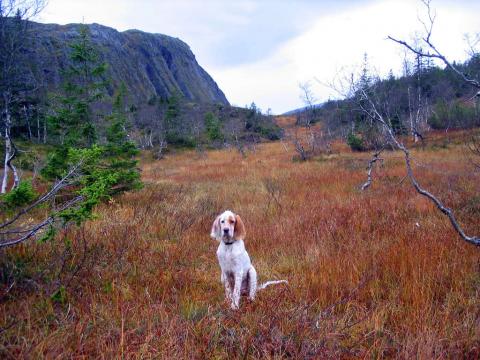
(151, 65)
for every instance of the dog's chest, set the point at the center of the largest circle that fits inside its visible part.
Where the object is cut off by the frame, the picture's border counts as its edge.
(232, 259)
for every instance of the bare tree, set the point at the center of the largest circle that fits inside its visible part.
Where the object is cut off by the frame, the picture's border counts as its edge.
(315, 140)
(376, 109)
(14, 16)
(300, 147)
(432, 52)
(306, 117)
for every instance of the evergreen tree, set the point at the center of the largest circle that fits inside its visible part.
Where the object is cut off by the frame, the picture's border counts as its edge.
(73, 122)
(84, 85)
(119, 151)
(212, 127)
(172, 132)
(102, 169)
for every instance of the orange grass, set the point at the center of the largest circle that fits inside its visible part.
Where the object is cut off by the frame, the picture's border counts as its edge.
(371, 274)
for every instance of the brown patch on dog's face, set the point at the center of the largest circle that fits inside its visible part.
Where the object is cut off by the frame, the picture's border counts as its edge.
(239, 231)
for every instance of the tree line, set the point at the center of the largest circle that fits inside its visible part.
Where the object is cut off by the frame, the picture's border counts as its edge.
(425, 97)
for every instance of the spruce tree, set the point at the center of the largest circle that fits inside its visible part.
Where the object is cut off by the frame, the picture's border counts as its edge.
(73, 122)
(104, 168)
(120, 151)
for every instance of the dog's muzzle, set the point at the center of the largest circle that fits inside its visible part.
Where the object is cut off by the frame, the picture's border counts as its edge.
(227, 240)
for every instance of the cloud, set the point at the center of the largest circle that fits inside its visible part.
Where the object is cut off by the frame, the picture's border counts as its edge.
(334, 44)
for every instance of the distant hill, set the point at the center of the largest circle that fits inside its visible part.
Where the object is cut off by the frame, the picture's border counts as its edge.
(302, 109)
(151, 65)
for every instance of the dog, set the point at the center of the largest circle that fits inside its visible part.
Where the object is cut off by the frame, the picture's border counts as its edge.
(237, 272)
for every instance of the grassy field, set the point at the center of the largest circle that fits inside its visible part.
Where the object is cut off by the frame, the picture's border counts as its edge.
(371, 274)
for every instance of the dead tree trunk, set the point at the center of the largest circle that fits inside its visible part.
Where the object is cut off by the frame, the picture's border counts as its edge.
(27, 120)
(38, 127)
(10, 151)
(410, 115)
(45, 130)
(374, 159)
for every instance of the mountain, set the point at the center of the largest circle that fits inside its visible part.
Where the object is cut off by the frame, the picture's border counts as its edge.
(151, 65)
(169, 100)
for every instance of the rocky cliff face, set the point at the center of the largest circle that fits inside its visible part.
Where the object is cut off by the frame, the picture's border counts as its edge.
(149, 64)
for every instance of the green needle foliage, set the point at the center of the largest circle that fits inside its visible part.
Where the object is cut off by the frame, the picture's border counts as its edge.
(84, 85)
(213, 127)
(119, 150)
(73, 122)
(23, 194)
(104, 168)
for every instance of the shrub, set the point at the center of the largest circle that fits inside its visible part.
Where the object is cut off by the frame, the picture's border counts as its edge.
(455, 115)
(270, 132)
(355, 142)
(181, 140)
(21, 195)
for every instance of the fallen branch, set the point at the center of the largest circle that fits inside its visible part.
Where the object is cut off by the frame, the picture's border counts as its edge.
(372, 161)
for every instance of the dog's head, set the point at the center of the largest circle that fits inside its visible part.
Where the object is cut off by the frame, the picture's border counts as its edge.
(228, 228)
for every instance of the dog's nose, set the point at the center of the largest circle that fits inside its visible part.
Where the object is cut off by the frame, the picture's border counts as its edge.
(225, 231)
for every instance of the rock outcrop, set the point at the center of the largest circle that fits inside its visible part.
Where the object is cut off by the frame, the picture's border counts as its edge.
(151, 65)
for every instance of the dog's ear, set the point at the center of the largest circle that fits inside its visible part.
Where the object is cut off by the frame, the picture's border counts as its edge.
(239, 232)
(215, 232)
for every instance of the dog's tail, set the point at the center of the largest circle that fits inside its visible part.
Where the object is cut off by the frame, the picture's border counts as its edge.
(273, 282)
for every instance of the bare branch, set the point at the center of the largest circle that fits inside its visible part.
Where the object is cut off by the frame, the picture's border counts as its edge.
(39, 226)
(54, 190)
(29, 234)
(428, 28)
(438, 55)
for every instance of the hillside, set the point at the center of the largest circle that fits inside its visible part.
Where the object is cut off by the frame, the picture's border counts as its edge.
(149, 64)
(431, 97)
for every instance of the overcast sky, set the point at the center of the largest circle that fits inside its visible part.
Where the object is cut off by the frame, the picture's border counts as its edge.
(260, 50)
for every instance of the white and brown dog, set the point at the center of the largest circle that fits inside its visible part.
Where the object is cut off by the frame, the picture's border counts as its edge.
(238, 274)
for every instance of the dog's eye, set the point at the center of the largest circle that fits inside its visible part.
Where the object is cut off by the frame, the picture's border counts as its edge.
(232, 222)
(223, 221)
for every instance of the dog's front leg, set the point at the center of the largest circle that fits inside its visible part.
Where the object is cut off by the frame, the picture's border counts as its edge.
(228, 288)
(236, 290)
